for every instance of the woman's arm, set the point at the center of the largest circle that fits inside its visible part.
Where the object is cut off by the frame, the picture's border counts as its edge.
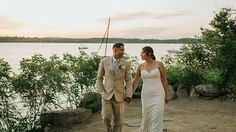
(136, 78)
(164, 80)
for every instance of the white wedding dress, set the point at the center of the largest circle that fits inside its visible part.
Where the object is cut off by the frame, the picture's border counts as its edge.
(153, 99)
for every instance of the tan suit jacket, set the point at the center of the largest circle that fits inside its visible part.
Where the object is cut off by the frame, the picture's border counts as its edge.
(114, 83)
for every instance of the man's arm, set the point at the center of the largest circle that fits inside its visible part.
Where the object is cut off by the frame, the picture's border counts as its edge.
(100, 76)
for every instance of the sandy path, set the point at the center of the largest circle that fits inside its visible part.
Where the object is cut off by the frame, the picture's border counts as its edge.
(181, 115)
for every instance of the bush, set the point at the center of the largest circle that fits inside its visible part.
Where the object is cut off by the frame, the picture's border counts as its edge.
(9, 115)
(184, 78)
(212, 76)
(174, 76)
(91, 101)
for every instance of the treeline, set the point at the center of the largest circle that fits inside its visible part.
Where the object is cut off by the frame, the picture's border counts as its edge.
(90, 40)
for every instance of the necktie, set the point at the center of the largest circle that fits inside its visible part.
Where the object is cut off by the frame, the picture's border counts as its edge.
(115, 66)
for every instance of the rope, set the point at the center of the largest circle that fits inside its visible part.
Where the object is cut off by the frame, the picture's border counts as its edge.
(105, 36)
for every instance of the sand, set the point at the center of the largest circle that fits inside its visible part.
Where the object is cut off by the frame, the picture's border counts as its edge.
(181, 115)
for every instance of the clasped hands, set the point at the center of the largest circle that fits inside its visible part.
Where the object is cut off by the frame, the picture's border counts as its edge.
(127, 99)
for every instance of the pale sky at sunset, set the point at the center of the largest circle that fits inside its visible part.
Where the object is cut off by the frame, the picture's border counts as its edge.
(146, 19)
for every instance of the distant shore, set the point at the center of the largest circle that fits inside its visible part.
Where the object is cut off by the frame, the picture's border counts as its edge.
(90, 40)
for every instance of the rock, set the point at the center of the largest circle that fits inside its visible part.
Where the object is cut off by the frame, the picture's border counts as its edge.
(234, 89)
(206, 90)
(193, 93)
(64, 118)
(47, 128)
(171, 92)
(181, 92)
(231, 97)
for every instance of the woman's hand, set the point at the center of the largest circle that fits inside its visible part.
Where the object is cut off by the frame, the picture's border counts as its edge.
(128, 100)
(167, 99)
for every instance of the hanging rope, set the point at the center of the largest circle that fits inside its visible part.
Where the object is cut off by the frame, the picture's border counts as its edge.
(105, 36)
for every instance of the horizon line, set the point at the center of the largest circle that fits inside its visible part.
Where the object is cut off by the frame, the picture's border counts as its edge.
(98, 38)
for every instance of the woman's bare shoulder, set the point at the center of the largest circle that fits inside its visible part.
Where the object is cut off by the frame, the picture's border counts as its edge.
(140, 66)
(159, 62)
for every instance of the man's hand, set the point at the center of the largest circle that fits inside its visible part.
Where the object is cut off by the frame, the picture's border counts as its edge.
(128, 100)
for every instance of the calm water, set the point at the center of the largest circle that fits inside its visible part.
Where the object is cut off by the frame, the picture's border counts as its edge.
(14, 52)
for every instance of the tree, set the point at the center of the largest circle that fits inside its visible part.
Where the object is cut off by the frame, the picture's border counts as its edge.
(221, 41)
(38, 85)
(83, 72)
(212, 58)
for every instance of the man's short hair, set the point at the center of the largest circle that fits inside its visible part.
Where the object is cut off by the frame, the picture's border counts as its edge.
(117, 45)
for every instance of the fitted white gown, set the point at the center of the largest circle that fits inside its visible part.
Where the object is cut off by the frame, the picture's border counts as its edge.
(153, 99)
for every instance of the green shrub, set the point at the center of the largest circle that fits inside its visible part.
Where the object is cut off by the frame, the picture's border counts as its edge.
(184, 78)
(174, 76)
(91, 101)
(212, 76)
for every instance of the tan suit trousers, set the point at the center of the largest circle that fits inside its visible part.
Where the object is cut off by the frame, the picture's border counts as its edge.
(111, 109)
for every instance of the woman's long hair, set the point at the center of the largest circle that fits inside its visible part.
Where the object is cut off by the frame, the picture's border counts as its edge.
(149, 51)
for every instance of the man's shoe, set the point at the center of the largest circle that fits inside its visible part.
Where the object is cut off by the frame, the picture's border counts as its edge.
(164, 129)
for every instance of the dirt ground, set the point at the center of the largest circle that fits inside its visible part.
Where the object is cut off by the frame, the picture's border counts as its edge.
(181, 115)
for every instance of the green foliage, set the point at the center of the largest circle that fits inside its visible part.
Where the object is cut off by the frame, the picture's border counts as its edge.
(222, 42)
(189, 79)
(83, 72)
(174, 77)
(10, 118)
(211, 76)
(91, 101)
(195, 56)
(38, 85)
(170, 61)
(6, 108)
(210, 59)
(184, 78)
(42, 83)
(133, 62)
(184, 71)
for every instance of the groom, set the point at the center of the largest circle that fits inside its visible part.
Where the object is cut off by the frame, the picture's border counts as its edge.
(117, 75)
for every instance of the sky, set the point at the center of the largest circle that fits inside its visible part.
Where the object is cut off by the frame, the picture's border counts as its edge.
(145, 19)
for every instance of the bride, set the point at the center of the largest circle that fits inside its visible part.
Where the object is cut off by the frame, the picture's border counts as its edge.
(154, 91)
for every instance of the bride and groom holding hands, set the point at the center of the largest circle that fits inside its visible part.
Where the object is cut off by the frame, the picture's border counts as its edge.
(114, 75)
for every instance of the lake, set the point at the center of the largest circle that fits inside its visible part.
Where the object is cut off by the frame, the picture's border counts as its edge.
(14, 52)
